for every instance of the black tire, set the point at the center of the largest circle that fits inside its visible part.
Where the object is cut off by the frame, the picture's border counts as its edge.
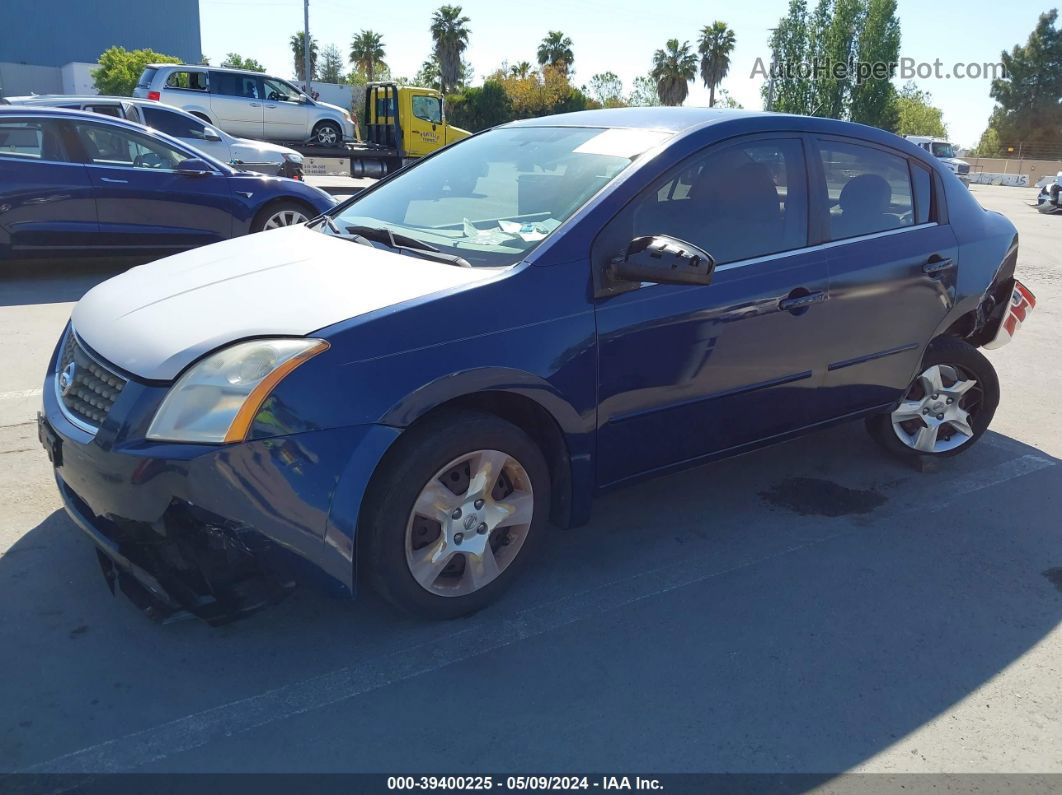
(286, 206)
(325, 130)
(955, 353)
(416, 457)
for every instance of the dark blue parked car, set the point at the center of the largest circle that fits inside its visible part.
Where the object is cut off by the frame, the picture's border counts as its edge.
(418, 381)
(74, 183)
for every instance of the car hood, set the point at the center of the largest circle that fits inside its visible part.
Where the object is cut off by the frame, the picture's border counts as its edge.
(276, 151)
(330, 106)
(156, 319)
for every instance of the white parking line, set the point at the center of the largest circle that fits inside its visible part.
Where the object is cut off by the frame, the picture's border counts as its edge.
(20, 394)
(196, 730)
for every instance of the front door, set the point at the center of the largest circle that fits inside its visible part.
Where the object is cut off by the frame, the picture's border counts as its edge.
(688, 371)
(425, 133)
(286, 113)
(893, 266)
(142, 202)
(236, 103)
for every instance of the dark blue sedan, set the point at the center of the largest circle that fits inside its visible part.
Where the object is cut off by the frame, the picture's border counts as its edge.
(415, 384)
(74, 183)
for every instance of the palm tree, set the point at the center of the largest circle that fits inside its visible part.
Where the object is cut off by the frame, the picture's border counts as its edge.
(297, 50)
(673, 68)
(716, 44)
(556, 51)
(367, 52)
(521, 70)
(450, 32)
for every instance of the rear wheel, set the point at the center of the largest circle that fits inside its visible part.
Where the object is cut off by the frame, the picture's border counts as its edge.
(947, 407)
(455, 514)
(281, 214)
(327, 133)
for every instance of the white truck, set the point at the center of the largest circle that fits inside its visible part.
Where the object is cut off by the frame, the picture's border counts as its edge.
(945, 152)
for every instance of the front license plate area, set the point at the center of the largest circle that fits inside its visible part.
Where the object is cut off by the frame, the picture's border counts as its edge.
(50, 441)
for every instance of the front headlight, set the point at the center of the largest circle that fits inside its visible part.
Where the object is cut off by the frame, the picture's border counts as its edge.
(217, 399)
(293, 157)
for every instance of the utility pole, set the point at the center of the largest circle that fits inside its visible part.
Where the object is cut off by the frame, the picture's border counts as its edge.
(306, 73)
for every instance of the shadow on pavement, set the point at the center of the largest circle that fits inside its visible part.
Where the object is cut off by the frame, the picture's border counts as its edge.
(57, 281)
(799, 609)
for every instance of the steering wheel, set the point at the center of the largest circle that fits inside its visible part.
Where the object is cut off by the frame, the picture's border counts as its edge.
(274, 95)
(149, 160)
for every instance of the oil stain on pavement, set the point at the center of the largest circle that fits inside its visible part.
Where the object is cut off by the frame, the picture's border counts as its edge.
(819, 497)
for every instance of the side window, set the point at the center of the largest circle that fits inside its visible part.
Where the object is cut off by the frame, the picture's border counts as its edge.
(869, 190)
(234, 85)
(735, 202)
(278, 90)
(191, 81)
(175, 124)
(36, 139)
(113, 146)
(427, 108)
(923, 193)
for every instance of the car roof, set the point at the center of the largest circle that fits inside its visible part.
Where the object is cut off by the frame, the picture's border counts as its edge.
(45, 98)
(203, 67)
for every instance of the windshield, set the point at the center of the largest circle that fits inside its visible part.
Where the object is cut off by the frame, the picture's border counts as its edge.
(494, 197)
(943, 150)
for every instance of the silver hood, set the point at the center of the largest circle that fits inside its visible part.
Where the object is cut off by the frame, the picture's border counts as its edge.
(156, 319)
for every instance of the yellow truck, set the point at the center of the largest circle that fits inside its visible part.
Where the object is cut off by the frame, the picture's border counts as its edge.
(402, 123)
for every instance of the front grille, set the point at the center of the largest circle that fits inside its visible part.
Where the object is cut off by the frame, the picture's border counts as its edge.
(964, 168)
(86, 388)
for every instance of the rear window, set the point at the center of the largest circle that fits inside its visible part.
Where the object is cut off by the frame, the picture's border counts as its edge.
(146, 77)
(30, 140)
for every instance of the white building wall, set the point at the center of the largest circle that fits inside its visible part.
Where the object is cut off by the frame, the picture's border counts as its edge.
(77, 78)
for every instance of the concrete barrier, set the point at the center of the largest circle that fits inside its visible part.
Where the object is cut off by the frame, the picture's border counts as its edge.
(996, 178)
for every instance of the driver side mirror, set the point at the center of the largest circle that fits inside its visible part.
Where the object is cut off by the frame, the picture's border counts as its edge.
(194, 167)
(211, 135)
(662, 259)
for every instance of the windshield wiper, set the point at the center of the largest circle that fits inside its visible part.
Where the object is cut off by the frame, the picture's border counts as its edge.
(400, 242)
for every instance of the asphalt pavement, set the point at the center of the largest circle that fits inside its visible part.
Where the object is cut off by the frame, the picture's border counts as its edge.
(814, 607)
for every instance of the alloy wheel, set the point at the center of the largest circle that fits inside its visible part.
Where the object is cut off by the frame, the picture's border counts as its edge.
(936, 415)
(326, 135)
(469, 523)
(285, 218)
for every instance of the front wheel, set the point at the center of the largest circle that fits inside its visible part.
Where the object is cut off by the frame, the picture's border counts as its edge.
(454, 514)
(327, 133)
(281, 214)
(947, 407)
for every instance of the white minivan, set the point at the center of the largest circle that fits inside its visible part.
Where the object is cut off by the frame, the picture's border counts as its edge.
(247, 104)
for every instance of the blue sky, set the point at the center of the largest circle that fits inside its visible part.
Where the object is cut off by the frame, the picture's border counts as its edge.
(621, 35)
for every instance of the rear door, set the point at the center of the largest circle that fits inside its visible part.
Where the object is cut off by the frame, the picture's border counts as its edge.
(142, 202)
(46, 197)
(893, 261)
(236, 103)
(286, 115)
(688, 371)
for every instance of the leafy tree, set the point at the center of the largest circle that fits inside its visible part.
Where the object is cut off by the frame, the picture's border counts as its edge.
(715, 45)
(542, 94)
(727, 101)
(298, 50)
(522, 69)
(480, 107)
(331, 70)
(1029, 110)
(367, 53)
(607, 88)
(449, 31)
(789, 45)
(673, 69)
(428, 76)
(989, 145)
(874, 99)
(838, 44)
(236, 61)
(643, 92)
(556, 50)
(916, 114)
(119, 69)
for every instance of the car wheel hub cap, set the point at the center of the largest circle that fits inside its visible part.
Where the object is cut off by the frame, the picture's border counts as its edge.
(468, 523)
(285, 218)
(936, 414)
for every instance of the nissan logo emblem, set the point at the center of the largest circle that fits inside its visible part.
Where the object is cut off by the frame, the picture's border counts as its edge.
(66, 378)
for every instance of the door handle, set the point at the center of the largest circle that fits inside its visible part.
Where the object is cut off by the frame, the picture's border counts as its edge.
(795, 303)
(937, 264)
(271, 107)
(255, 105)
(115, 181)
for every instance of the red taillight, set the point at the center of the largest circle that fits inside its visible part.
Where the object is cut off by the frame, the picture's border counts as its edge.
(155, 95)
